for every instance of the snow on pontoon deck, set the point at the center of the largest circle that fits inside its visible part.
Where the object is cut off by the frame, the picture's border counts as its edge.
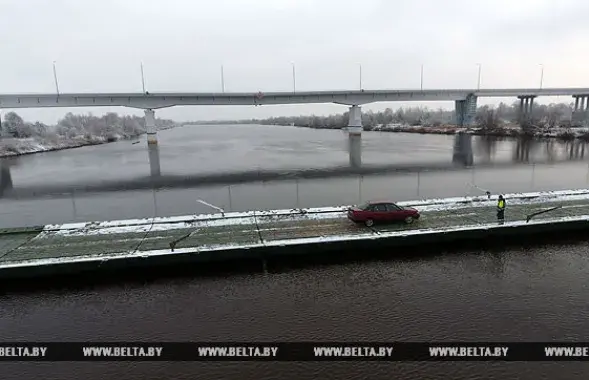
(142, 238)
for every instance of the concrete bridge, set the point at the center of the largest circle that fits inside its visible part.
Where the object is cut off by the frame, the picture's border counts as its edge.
(465, 106)
(465, 101)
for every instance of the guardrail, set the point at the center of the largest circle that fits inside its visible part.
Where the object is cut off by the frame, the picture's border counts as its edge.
(434, 204)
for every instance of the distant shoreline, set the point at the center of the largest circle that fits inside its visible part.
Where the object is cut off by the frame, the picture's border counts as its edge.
(511, 131)
(32, 145)
(16, 147)
(514, 131)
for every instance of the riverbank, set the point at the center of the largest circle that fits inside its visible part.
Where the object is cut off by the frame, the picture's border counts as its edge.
(276, 234)
(11, 147)
(19, 147)
(561, 133)
(503, 131)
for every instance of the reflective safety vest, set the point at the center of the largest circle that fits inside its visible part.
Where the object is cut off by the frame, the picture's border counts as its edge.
(501, 204)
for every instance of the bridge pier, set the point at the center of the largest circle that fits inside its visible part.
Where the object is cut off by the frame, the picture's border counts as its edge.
(355, 136)
(150, 126)
(355, 120)
(526, 104)
(466, 110)
(581, 110)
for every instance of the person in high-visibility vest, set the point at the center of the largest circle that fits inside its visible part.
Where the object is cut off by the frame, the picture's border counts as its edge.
(501, 209)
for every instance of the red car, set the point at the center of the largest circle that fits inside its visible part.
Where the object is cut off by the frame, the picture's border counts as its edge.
(373, 212)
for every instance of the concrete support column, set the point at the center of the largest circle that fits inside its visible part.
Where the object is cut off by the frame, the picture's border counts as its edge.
(355, 120)
(520, 112)
(575, 115)
(526, 106)
(150, 126)
(465, 111)
(355, 136)
(459, 112)
(581, 111)
(583, 114)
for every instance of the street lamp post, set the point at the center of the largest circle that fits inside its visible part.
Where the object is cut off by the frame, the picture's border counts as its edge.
(421, 81)
(222, 79)
(294, 79)
(360, 77)
(541, 75)
(142, 78)
(55, 78)
(479, 80)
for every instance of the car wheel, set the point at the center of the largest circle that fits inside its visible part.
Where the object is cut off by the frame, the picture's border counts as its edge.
(409, 220)
(369, 222)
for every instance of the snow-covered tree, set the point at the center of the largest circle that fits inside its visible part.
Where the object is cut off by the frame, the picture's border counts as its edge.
(549, 115)
(108, 127)
(12, 124)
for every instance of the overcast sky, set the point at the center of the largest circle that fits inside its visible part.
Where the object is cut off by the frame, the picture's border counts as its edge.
(98, 46)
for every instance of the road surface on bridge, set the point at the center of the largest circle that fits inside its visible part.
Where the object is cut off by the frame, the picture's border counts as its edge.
(214, 234)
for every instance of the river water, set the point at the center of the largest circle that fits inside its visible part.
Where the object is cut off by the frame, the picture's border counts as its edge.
(222, 149)
(534, 293)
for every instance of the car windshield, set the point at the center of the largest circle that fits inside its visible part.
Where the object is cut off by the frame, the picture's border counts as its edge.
(364, 206)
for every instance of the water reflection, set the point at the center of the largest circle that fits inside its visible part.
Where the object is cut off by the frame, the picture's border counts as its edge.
(5, 174)
(522, 150)
(462, 153)
(355, 149)
(550, 150)
(523, 147)
(154, 160)
(486, 147)
(577, 150)
(496, 152)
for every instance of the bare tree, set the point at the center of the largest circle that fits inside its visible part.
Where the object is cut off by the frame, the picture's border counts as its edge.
(108, 127)
(487, 119)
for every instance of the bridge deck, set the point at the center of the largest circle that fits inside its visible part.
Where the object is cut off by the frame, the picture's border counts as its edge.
(152, 237)
(161, 100)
